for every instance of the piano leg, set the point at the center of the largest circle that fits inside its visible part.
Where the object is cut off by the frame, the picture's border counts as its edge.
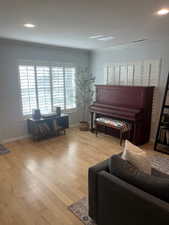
(134, 132)
(96, 130)
(91, 121)
(121, 137)
(129, 134)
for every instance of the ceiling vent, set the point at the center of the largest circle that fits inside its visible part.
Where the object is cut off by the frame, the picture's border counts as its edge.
(129, 44)
(140, 40)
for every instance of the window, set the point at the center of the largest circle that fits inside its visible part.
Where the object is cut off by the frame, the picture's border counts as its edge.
(46, 87)
(70, 94)
(43, 89)
(58, 87)
(28, 88)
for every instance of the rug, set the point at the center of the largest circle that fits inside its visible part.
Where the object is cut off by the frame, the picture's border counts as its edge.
(80, 208)
(3, 150)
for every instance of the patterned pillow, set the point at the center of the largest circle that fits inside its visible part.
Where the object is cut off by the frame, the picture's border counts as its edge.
(137, 157)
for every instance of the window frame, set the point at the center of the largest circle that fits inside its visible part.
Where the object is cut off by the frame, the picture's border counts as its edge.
(50, 65)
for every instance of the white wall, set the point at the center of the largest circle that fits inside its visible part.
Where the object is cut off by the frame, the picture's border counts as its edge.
(12, 123)
(151, 50)
(147, 51)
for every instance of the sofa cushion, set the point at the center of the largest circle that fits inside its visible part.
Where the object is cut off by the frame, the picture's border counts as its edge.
(137, 157)
(157, 186)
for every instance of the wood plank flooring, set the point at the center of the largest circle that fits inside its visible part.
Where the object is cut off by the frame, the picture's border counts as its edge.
(38, 180)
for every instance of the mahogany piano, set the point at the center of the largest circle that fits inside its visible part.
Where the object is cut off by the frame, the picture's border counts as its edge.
(129, 103)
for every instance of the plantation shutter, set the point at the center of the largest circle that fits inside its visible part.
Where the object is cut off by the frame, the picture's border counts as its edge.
(28, 88)
(58, 87)
(70, 88)
(44, 89)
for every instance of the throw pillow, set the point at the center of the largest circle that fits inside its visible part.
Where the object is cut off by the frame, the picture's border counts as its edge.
(137, 157)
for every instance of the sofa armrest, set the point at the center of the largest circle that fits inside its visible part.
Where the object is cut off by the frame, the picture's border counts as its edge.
(158, 173)
(123, 203)
(92, 185)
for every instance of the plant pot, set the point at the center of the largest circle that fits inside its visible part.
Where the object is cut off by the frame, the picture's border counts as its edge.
(84, 126)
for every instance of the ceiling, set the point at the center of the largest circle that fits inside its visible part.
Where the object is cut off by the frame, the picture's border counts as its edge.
(71, 22)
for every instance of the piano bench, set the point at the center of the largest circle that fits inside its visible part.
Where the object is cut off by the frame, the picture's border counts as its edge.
(123, 126)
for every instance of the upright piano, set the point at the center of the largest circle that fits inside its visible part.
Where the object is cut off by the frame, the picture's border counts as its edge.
(129, 103)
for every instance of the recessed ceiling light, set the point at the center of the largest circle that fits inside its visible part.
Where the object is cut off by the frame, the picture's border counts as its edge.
(96, 36)
(29, 25)
(163, 12)
(108, 38)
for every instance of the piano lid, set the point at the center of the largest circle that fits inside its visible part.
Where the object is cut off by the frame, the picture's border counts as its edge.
(122, 96)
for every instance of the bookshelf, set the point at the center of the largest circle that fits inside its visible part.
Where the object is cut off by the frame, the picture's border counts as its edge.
(162, 137)
(47, 127)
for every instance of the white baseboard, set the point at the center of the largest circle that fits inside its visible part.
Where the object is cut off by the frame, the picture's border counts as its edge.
(14, 139)
(27, 136)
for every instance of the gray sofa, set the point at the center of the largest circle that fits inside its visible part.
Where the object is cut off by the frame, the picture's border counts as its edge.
(113, 201)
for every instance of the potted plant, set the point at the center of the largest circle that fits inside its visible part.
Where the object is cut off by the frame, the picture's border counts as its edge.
(85, 91)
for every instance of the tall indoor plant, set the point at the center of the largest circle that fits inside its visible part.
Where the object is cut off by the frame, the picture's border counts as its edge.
(85, 90)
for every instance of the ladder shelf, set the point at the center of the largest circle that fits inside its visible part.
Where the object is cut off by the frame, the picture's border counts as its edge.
(162, 137)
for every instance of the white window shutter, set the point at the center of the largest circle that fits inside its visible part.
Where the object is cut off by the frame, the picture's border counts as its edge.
(58, 87)
(130, 74)
(44, 89)
(70, 88)
(28, 88)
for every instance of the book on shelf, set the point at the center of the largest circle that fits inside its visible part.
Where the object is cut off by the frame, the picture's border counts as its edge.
(164, 135)
(165, 118)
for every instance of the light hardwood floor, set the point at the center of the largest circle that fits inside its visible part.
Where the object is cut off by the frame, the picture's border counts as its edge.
(38, 180)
